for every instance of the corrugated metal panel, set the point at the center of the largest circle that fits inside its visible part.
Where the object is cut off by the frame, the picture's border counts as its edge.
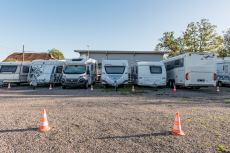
(129, 57)
(97, 57)
(149, 57)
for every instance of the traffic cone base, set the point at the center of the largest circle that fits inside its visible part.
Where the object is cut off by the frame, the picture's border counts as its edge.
(50, 88)
(218, 89)
(133, 90)
(174, 90)
(9, 88)
(44, 123)
(177, 128)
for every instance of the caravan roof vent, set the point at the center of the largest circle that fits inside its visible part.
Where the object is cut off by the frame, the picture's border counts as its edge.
(77, 59)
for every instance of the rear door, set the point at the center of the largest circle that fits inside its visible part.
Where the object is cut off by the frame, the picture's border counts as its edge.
(180, 76)
(24, 73)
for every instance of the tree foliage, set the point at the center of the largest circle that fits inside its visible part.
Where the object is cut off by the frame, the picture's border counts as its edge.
(56, 54)
(11, 60)
(225, 48)
(198, 37)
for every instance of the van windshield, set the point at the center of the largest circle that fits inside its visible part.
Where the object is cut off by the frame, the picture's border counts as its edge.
(75, 69)
(114, 69)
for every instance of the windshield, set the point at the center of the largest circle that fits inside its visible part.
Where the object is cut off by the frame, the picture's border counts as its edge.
(75, 69)
(114, 69)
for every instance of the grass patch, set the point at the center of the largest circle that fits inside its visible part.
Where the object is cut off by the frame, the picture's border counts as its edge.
(222, 148)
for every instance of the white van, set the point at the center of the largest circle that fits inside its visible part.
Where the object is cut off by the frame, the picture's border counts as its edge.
(192, 69)
(114, 72)
(79, 72)
(223, 73)
(45, 72)
(14, 72)
(151, 74)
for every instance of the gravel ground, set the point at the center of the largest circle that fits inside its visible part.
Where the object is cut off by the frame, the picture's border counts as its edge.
(110, 121)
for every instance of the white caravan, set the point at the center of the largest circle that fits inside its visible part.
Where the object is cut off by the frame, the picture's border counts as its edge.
(192, 69)
(151, 74)
(79, 72)
(45, 72)
(223, 73)
(14, 72)
(114, 72)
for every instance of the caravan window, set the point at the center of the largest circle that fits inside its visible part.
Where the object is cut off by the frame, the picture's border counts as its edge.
(155, 69)
(59, 69)
(75, 69)
(8, 68)
(25, 69)
(114, 69)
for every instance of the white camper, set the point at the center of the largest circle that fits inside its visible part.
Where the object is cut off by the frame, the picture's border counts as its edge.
(192, 69)
(223, 73)
(151, 74)
(45, 72)
(114, 72)
(14, 72)
(79, 72)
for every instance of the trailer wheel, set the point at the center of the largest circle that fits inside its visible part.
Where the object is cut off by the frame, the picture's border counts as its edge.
(220, 84)
(171, 84)
(63, 87)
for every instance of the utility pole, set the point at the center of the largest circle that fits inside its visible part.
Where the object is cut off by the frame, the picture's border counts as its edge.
(23, 54)
(88, 50)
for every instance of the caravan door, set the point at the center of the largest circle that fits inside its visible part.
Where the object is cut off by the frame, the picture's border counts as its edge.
(24, 73)
(88, 74)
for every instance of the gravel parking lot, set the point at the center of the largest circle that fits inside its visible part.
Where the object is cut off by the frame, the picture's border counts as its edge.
(106, 120)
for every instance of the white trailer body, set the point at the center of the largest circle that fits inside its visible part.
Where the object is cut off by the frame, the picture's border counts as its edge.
(45, 72)
(14, 72)
(79, 72)
(193, 69)
(114, 72)
(223, 73)
(151, 74)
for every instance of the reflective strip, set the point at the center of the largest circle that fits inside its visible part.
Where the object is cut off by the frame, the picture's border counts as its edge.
(177, 119)
(43, 114)
(44, 123)
(43, 119)
(176, 127)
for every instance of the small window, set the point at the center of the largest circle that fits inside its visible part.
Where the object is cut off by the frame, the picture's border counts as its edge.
(155, 69)
(177, 63)
(59, 69)
(8, 68)
(25, 69)
(92, 67)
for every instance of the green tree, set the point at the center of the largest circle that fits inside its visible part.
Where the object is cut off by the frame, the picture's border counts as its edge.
(56, 54)
(11, 60)
(158, 48)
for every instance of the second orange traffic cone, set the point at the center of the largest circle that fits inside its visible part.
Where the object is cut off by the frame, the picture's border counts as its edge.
(91, 87)
(50, 88)
(177, 128)
(9, 88)
(133, 90)
(44, 123)
(174, 90)
(217, 90)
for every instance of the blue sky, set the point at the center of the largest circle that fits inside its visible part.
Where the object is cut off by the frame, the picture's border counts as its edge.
(102, 24)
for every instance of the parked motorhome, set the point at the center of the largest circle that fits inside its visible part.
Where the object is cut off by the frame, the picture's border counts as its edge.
(14, 72)
(114, 72)
(193, 69)
(45, 72)
(79, 72)
(151, 74)
(223, 73)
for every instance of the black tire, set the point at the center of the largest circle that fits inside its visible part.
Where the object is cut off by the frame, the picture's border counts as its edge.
(171, 84)
(86, 85)
(220, 84)
(63, 87)
(34, 88)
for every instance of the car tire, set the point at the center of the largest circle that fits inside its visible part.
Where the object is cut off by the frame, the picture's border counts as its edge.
(220, 84)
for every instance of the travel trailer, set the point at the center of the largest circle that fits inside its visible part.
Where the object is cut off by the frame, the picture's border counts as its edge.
(192, 69)
(14, 72)
(114, 72)
(43, 72)
(79, 72)
(151, 74)
(223, 73)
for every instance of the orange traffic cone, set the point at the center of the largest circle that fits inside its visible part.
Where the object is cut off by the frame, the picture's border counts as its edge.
(133, 90)
(174, 90)
(50, 88)
(9, 88)
(177, 128)
(217, 90)
(91, 87)
(44, 123)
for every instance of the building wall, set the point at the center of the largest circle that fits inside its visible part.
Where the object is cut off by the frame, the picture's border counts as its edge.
(130, 57)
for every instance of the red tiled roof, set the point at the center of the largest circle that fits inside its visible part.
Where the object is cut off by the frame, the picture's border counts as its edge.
(29, 57)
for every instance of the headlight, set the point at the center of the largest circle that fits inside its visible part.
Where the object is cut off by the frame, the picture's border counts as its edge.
(82, 76)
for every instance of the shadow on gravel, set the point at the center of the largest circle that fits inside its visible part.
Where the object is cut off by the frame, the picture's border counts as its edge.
(19, 130)
(167, 133)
